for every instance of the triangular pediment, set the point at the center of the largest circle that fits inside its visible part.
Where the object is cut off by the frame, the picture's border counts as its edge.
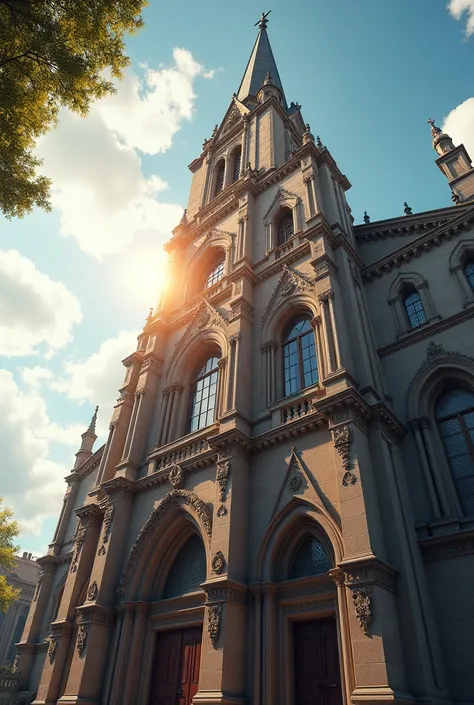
(282, 198)
(233, 116)
(297, 482)
(291, 281)
(205, 316)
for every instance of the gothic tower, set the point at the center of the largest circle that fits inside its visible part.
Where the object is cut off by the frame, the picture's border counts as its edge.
(259, 524)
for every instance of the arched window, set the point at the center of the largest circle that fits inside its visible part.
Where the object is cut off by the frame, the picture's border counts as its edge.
(285, 229)
(216, 273)
(236, 165)
(414, 308)
(220, 171)
(203, 408)
(188, 570)
(469, 272)
(455, 419)
(300, 364)
(311, 559)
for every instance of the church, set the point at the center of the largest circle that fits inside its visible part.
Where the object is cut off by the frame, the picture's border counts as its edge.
(283, 510)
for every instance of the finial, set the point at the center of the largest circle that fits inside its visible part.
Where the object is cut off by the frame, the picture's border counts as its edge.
(407, 210)
(366, 218)
(268, 79)
(262, 23)
(149, 318)
(434, 129)
(184, 217)
(455, 198)
(214, 132)
(91, 428)
(318, 141)
(307, 136)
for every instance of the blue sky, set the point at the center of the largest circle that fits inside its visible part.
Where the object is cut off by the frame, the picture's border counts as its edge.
(76, 284)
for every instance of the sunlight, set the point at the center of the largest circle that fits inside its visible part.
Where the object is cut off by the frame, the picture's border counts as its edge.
(146, 275)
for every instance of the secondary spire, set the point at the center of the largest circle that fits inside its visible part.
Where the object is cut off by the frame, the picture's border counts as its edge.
(261, 63)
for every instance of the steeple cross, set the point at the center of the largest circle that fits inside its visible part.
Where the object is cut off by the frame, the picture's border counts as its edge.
(431, 122)
(262, 23)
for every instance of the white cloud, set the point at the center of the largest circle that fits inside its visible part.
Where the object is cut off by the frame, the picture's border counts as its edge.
(35, 377)
(459, 124)
(458, 8)
(98, 378)
(103, 196)
(32, 484)
(37, 314)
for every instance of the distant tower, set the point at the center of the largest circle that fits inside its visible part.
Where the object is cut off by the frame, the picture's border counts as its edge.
(88, 439)
(455, 163)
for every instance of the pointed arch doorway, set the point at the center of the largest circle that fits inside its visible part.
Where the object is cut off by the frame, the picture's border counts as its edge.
(176, 668)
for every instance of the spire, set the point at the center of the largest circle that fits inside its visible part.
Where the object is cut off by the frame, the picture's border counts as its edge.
(260, 65)
(442, 142)
(92, 424)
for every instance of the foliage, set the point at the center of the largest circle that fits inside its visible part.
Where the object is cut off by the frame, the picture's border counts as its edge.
(8, 532)
(53, 54)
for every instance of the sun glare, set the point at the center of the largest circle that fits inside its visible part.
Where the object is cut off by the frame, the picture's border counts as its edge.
(147, 275)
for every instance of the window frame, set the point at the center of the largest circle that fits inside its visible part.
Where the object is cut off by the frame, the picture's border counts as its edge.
(286, 215)
(408, 294)
(218, 265)
(286, 341)
(219, 168)
(194, 390)
(464, 434)
(237, 153)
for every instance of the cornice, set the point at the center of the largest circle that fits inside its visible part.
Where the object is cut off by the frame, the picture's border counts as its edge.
(448, 546)
(426, 331)
(417, 222)
(420, 245)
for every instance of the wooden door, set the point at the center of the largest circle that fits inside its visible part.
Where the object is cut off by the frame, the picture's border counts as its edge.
(316, 663)
(176, 672)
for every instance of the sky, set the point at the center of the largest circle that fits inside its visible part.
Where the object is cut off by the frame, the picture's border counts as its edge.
(76, 284)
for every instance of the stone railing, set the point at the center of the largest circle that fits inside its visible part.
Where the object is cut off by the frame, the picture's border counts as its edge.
(284, 249)
(300, 407)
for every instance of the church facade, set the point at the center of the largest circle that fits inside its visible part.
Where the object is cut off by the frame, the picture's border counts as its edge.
(283, 511)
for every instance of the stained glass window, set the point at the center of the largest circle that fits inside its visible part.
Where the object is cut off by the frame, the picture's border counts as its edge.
(237, 162)
(204, 396)
(300, 364)
(188, 570)
(414, 308)
(285, 228)
(216, 274)
(220, 177)
(469, 272)
(311, 559)
(455, 418)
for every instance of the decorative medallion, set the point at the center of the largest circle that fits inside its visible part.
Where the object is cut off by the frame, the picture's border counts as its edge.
(214, 623)
(53, 640)
(82, 638)
(93, 591)
(218, 563)
(176, 477)
(361, 597)
(222, 511)
(342, 443)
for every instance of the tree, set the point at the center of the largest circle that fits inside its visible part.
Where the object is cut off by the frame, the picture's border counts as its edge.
(53, 54)
(8, 532)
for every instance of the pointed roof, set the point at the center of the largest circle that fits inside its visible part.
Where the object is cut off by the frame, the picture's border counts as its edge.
(261, 63)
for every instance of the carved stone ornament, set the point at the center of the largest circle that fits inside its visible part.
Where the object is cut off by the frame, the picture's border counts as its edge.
(342, 443)
(176, 477)
(222, 511)
(93, 591)
(38, 584)
(218, 563)
(82, 633)
(290, 281)
(205, 316)
(148, 532)
(80, 538)
(108, 518)
(214, 623)
(295, 477)
(53, 640)
(222, 476)
(361, 597)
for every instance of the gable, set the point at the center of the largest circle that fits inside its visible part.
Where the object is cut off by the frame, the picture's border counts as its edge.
(233, 117)
(291, 281)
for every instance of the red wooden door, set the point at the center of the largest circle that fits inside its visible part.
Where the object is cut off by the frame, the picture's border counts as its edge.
(176, 672)
(316, 659)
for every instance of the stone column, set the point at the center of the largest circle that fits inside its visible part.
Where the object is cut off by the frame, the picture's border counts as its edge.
(334, 336)
(257, 646)
(221, 387)
(121, 664)
(346, 656)
(135, 658)
(176, 409)
(327, 337)
(270, 677)
(244, 159)
(425, 463)
(310, 195)
(106, 452)
(62, 628)
(65, 516)
(132, 424)
(165, 398)
(438, 477)
(316, 324)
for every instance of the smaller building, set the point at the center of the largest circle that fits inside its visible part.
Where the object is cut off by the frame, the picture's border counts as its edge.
(24, 576)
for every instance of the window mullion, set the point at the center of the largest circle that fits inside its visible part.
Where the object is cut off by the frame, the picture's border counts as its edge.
(465, 433)
(300, 359)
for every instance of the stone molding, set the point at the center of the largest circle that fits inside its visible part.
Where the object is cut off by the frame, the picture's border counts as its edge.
(362, 600)
(225, 590)
(170, 501)
(448, 546)
(290, 282)
(214, 623)
(367, 571)
(218, 563)
(341, 438)
(106, 528)
(222, 477)
(176, 477)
